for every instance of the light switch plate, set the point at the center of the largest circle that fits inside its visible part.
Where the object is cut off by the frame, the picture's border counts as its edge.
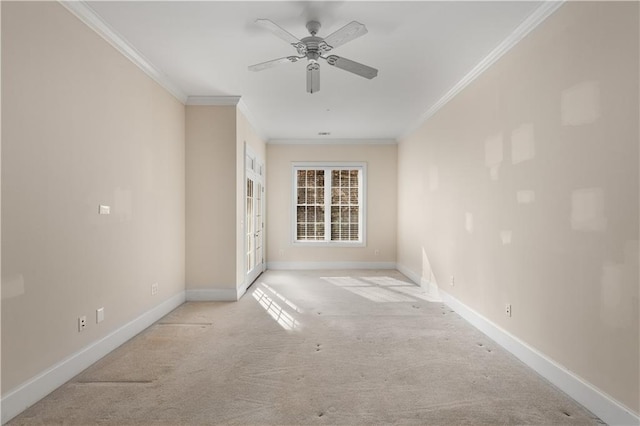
(104, 209)
(99, 315)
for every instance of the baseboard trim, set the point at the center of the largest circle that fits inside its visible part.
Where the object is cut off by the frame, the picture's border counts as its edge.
(598, 402)
(430, 287)
(212, 295)
(242, 290)
(409, 274)
(329, 265)
(33, 390)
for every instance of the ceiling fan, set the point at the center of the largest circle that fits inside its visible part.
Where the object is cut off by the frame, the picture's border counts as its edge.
(314, 48)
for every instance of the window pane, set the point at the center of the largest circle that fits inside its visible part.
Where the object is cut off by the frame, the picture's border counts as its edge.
(310, 231)
(301, 214)
(353, 235)
(354, 215)
(335, 214)
(335, 178)
(354, 196)
(335, 195)
(335, 232)
(344, 178)
(344, 214)
(353, 174)
(301, 195)
(320, 178)
(311, 196)
(346, 196)
(301, 178)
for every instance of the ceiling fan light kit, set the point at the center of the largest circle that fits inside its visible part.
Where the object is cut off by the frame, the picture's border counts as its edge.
(314, 48)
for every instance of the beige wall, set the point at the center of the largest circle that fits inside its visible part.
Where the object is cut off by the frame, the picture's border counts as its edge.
(246, 133)
(381, 202)
(525, 188)
(211, 197)
(82, 126)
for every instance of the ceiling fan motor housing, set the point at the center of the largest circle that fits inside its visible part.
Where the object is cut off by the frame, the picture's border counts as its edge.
(312, 49)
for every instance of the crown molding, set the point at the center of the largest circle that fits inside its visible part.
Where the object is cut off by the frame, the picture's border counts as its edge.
(213, 100)
(546, 9)
(86, 14)
(332, 142)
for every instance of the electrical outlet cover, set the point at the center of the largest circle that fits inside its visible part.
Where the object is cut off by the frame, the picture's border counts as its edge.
(82, 323)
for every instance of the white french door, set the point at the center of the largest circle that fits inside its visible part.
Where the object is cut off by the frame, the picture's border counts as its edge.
(254, 221)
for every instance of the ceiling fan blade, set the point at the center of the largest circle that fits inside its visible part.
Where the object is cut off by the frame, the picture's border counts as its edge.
(269, 64)
(278, 31)
(313, 77)
(352, 66)
(345, 34)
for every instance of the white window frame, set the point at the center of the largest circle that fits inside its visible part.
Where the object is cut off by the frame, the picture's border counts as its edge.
(362, 193)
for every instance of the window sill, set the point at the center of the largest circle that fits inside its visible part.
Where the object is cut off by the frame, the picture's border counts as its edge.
(328, 244)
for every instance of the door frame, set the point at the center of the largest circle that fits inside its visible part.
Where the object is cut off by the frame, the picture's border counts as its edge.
(254, 168)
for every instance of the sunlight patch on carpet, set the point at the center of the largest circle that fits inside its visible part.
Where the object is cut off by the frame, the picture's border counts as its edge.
(275, 310)
(380, 289)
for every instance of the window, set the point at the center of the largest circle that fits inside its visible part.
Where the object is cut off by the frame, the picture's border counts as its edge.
(329, 203)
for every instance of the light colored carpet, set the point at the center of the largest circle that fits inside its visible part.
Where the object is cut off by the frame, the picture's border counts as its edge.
(313, 347)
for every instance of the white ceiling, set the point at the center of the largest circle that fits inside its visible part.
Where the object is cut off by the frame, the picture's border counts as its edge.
(421, 49)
